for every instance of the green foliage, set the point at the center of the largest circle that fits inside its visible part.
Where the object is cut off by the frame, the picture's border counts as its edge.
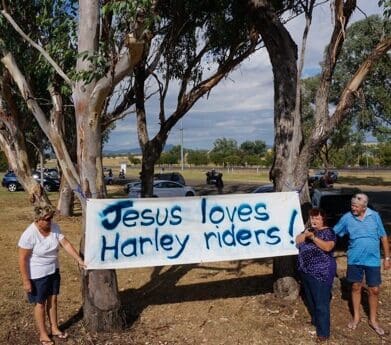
(225, 146)
(168, 158)
(257, 147)
(197, 157)
(254, 160)
(234, 160)
(226, 151)
(53, 25)
(217, 158)
(372, 107)
(186, 27)
(387, 7)
(134, 160)
(268, 159)
(3, 162)
(99, 65)
(384, 154)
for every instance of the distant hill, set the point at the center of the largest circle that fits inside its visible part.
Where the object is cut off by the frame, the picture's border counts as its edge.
(133, 151)
(122, 152)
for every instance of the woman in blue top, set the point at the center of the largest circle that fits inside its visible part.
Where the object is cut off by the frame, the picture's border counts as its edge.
(317, 268)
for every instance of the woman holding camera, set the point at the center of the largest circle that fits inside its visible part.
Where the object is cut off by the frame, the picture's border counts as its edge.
(317, 268)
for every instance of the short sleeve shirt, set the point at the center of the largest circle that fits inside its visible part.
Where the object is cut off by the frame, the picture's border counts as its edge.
(364, 236)
(44, 257)
(317, 262)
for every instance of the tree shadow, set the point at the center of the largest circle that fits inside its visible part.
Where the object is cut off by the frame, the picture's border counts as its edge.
(72, 320)
(368, 180)
(162, 288)
(346, 294)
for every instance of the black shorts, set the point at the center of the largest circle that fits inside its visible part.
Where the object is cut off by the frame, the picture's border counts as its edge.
(44, 287)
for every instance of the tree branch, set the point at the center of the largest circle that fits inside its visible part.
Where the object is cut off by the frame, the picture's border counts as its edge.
(50, 131)
(36, 46)
(356, 81)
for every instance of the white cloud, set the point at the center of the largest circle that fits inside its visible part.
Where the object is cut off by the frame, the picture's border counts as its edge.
(240, 107)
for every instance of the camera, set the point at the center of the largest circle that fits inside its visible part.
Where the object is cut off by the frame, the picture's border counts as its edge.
(311, 229)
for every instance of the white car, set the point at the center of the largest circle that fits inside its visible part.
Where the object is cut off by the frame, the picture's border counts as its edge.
(131, 185)
(163, 189)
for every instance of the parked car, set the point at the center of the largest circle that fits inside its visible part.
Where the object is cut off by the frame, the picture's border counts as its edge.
(163, 188)
(327, 176)
(335, 202)
(170, 176)
(130, 185)
(10, 181)
(52, 172)
(266, 188)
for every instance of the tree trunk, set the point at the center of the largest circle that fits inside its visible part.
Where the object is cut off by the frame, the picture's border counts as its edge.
(102, 307)
(283, 55)
(151, 154)
(66, 199)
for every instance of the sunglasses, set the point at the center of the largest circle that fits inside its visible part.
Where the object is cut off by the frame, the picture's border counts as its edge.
(47, 219)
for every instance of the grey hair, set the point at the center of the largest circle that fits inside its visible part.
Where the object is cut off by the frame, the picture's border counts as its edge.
(361, 199)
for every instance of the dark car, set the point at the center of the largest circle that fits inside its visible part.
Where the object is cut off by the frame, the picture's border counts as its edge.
(50, 184)
(170, 176)
(10, 181)
(266, 188)
(323, 178)
(335, 202)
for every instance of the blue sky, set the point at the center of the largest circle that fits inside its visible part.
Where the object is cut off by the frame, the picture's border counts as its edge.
(240, 107)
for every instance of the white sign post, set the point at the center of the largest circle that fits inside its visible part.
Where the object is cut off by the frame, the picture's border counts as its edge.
(124, 233)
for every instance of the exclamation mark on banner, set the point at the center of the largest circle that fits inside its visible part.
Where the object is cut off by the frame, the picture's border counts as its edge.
(293, 216)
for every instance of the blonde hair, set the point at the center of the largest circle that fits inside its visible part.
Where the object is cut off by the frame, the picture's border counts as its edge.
(360, 199)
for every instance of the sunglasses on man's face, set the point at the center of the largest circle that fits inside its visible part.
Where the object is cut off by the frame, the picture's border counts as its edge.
(47, 219)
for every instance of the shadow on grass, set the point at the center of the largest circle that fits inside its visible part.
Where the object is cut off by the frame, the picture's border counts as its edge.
(162, 289)
(369, 181)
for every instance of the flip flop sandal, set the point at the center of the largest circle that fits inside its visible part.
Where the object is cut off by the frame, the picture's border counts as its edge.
(377, 329)
(353, 325)
(46, 342)
(62, 335)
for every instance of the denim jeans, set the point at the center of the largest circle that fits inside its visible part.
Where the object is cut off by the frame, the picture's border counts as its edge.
(317, 297)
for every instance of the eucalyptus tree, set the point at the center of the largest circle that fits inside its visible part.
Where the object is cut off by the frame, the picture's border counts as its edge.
(293, 153)
(107, 46)
(347, 134)
(371, 109)
(20, 135)
(194, 46)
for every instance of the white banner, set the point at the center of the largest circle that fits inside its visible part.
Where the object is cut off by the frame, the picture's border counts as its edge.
(123, 233)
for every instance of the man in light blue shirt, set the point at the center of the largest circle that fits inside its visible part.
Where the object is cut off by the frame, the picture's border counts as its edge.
(364, 228)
